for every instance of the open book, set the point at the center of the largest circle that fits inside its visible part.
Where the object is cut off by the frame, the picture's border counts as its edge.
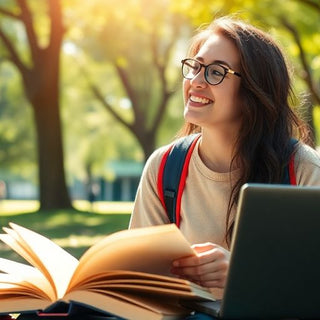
(126, 274)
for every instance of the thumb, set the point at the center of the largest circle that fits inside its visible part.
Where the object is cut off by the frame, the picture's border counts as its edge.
(202, 247)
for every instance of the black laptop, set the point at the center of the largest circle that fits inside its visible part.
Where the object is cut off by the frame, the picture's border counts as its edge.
(275, 256)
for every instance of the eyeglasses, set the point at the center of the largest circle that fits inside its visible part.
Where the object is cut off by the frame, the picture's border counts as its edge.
(214, 73)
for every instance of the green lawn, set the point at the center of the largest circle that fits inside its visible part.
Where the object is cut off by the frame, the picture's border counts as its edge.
(75, 230)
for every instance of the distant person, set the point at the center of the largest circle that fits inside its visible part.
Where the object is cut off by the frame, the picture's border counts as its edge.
(92, 194)
(3, 190)
(237, 91)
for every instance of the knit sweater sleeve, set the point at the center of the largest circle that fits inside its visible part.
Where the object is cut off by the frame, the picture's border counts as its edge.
(307, 166)
(148, 210)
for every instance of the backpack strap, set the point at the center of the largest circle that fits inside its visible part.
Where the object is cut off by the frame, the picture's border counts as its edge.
(292, 174)
(172, 175)
(289, 173)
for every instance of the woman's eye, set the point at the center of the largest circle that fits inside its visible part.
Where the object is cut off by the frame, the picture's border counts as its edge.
(216, 72)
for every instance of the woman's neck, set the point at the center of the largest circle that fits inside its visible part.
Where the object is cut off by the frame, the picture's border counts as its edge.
(216, 151)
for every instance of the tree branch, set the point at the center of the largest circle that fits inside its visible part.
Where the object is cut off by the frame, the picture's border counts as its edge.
(161, 68)
(97, 93)
(139, 117)
(303, 59)
(13, 56)
(57, 28)
(312, 4)
(9, 14)
(27, 20)
(126, 84)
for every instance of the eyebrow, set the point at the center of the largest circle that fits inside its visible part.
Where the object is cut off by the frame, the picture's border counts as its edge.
(215, 61)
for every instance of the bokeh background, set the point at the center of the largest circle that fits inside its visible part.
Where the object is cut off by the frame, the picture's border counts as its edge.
(89, 88)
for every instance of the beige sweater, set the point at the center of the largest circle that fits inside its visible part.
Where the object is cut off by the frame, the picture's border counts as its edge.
(206, 195)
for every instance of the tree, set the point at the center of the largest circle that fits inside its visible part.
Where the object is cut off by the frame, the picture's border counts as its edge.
(138, 40)
(307, 51)
(92, 136)
(40, 77)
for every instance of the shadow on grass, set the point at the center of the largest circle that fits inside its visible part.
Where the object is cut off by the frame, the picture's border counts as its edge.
(73, 230)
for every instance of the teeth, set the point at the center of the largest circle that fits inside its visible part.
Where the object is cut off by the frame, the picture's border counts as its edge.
(198, 99)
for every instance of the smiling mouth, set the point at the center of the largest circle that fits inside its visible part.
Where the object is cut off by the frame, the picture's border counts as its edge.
(200, 100)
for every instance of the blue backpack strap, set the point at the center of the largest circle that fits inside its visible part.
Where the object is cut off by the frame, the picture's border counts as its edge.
(172, 175)
(174, 168)
(289, 173)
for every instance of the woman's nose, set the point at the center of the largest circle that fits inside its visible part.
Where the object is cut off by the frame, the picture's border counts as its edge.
(199, 79)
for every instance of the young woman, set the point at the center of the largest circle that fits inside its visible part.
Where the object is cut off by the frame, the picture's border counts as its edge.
(236, 91)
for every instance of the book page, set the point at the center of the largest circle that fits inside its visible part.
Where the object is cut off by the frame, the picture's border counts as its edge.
(25, 276)
(9, 305)
(149, 250)
(138, 282)
(55, 263)
(14, 241)
(10, 289)
(146, 289)
(124, 275)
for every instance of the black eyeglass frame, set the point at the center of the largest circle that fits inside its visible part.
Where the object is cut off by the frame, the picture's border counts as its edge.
(226, 70)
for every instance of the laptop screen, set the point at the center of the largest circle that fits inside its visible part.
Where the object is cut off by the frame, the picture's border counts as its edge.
(275, 254)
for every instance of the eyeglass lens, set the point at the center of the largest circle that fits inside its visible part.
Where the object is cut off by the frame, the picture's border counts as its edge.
(214, 73)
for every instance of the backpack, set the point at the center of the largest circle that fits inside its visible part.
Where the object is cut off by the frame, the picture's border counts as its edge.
(173, 173)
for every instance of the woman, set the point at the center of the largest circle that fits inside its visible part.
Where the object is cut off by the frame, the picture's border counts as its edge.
(236, 91)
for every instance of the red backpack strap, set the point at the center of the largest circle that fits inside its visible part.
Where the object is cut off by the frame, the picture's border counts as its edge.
(172, 175)
(292, 174)
(289, 175)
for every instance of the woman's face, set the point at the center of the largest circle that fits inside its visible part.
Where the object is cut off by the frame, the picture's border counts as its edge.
(214, 106)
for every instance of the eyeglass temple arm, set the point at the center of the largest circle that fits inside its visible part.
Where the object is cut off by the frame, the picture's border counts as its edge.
(234, 72)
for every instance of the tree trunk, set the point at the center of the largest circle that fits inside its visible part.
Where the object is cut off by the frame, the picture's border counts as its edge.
(147, 141)
(52, 183)
(42, 89)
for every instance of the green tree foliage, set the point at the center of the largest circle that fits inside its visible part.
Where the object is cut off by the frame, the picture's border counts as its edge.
(91, 135)
(15, 140)
(138, 40)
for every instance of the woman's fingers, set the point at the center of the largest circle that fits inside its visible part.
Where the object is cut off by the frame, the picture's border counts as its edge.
(208, 268)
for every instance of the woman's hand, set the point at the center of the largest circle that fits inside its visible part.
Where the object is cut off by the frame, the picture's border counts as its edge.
(208, 268)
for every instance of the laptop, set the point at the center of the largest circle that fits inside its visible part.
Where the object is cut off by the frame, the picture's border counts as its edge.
(274, 270)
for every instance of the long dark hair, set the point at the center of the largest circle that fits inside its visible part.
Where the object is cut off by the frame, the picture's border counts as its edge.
(262, 149)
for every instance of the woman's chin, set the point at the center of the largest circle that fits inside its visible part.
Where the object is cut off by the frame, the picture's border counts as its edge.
(193, 115)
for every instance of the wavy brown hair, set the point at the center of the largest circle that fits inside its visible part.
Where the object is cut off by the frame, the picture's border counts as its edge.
(262, 149)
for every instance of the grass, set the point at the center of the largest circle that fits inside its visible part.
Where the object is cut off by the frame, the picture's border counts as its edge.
(75, 230)
(11, 207)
